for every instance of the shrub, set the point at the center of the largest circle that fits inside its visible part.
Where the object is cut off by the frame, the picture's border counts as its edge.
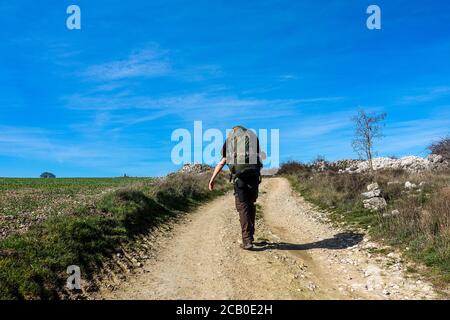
(441, 147)
(178, 191)
(294, 167)
(47, 175)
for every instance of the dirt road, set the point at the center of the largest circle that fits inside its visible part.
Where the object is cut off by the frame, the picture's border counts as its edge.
(299, 257)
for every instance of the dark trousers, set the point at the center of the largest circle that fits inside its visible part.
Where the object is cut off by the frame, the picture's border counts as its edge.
(247, 215)
(245, 195)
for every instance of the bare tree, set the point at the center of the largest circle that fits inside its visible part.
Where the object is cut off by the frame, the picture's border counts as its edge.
(367, 129)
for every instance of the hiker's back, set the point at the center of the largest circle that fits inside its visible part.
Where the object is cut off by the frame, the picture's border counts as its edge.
(242, 153)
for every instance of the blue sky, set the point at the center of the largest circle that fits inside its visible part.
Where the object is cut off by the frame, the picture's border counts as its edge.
(104, 100)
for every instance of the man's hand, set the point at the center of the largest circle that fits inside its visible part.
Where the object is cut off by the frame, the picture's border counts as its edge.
(217, 169)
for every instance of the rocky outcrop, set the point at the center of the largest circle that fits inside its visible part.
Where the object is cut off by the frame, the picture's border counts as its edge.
(346, 163)
(195, 168)
(410, 163)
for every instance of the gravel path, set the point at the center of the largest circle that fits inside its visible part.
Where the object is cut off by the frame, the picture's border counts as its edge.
(300, 257)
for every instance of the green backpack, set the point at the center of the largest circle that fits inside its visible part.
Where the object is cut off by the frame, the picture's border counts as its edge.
(242, 153)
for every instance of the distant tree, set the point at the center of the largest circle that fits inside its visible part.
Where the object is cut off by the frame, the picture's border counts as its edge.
(367, 130)
(47, 175)
(441, 147)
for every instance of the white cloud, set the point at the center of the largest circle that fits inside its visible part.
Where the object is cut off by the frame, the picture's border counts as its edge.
(429, 95)
(151, 62)
(127, 109)
(315, 126)
(180, 103)
(143, 63)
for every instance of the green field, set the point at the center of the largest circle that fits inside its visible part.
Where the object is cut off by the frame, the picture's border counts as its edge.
(49, 224)
(26, 201)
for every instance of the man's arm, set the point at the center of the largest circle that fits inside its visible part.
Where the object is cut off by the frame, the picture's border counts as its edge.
(217, 170)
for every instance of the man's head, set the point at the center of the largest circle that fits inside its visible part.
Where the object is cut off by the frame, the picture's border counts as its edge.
(235, 128)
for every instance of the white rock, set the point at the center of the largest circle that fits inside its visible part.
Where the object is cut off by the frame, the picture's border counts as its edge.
(409, 185)
(375, 204)
(373, 186)
(195, 168)
(374, 280)
(395, 287)
(371, 270)
(371, 194)
(393, 213)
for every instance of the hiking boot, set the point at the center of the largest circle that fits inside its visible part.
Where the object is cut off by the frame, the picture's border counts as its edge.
(246, 246)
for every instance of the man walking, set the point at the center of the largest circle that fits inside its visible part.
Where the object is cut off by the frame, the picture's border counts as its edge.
(242, 155)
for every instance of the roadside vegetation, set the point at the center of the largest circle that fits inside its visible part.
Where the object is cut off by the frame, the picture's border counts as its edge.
(409, 209)
(33, 260)
(417, 220)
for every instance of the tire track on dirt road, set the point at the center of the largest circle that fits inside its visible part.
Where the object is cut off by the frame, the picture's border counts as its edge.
(300, 257)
